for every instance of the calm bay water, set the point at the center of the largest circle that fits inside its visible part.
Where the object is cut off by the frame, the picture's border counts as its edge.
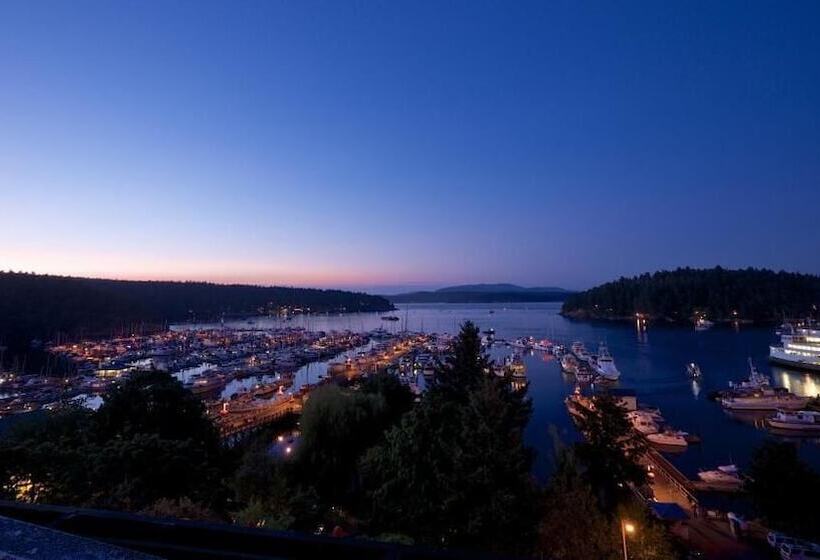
(652, 363)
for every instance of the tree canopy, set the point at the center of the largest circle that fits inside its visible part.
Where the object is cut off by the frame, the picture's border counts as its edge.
(753, 294)
(149, 441)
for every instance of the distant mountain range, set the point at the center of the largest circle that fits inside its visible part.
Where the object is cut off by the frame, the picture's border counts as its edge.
(483, 293)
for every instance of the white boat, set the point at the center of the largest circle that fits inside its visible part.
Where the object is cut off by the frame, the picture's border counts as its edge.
(800, 421)
(765, 399)
(643, 422)
(605, 364)
(520, 343)
(724, 474)
(569, 364)
(580, 351)
(669, 438)
(542, 345)
(755, 382)
(693, 370)
(799, 347)
(515, 365)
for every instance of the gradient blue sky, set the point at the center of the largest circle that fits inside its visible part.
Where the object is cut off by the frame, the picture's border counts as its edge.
(384, 144)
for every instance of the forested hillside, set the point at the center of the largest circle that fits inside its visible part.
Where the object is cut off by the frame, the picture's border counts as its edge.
(40, 307)
(722, 295)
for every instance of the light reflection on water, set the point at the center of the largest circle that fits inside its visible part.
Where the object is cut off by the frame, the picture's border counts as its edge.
(805, 384)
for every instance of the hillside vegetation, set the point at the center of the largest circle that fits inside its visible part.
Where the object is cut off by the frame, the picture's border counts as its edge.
(722, 295)
(42, 307)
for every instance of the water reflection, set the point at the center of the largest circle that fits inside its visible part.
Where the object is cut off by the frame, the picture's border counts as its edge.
(695, 388)
(799, 383)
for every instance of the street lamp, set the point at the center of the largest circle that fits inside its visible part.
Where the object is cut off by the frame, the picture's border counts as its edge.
(626, 527)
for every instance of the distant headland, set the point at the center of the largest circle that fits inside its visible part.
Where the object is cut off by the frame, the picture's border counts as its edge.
(717, 294)
(483, 293)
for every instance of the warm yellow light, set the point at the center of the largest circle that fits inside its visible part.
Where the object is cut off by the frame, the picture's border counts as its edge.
(629, 527)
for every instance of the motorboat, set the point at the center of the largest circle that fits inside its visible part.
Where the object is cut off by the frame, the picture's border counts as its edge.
(525, 343)
(542, 345)
(643, 422)
(569, 364)
(756, 380)
(800, 421)
(693, 370)
(724, 474)
(515, 365)
(765, 399)
(580, 351)
(669, 438)
(605, 364)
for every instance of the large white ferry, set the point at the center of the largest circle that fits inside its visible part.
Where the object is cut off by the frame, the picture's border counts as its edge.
(800, 347)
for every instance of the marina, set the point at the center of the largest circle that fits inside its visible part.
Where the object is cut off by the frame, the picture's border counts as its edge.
(274, 358)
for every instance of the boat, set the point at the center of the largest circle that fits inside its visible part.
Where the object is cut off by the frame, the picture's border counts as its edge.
(515, 365)
(799, 421)
(669, 438)
(702, 324)
(580, 351)
(755, 382)
(569, 364)
(605, 364)
(390, 318)
(521, 343)
(765, 399)
(584, 375)
(693, 370)
(542, 345)
(724, 474)
(799, 347)
(643, 422)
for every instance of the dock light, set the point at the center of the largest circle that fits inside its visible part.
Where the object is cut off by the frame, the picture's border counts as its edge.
(626, 528)
(288, 449)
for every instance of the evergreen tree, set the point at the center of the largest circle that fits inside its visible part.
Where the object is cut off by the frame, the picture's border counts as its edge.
(610, 450)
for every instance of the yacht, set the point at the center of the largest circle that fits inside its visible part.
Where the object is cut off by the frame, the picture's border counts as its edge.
(800, 421)
(765, 399)
(643, 422)
(724, 474)
(515, 364)
(542, 345)
(580, 351)
(669, 438)
(521, 343)
(693, 370)
(605, 364)
(755, 382)
(569, 364)
(799, 347)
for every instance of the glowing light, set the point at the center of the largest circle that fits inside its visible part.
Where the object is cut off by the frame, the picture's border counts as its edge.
(629, 527)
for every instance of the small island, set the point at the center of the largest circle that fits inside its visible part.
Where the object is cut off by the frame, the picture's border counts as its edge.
(686, 294)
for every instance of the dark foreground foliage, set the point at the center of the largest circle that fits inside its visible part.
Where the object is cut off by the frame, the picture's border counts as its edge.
(150, 441)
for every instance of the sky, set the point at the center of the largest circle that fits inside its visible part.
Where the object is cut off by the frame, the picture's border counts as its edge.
(407, 144)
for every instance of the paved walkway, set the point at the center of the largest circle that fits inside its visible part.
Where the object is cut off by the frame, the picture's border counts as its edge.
(716, 541)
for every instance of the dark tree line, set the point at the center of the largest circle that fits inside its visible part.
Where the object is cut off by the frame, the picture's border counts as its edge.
(723, 295)
(41, 307)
